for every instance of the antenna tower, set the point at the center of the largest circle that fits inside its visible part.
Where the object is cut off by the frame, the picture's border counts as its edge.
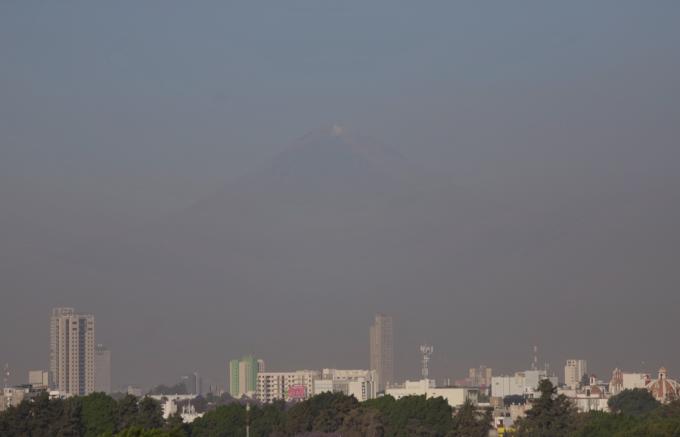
(426, 350)
(5, 376)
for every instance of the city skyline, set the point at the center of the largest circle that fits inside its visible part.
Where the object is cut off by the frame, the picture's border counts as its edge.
(248, 178)
(242, 373)
(78, 367)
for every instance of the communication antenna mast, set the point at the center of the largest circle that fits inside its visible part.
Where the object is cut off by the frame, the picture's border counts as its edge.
(426, 350)
(534, 364)
(5, 376)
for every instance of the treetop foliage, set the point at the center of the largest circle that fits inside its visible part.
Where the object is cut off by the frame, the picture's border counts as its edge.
(333, 414)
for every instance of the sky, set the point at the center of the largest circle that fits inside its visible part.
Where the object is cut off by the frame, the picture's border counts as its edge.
(538, 204)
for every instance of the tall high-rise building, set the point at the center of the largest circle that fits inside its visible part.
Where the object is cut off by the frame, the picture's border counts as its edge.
(574, 371)
(57, 313)
(102, 369)
(193, 383)
(243, 376)
(72, 356)
(198, 384)
(481, 376)
(488, 374)
(382, 350)
(472, 376)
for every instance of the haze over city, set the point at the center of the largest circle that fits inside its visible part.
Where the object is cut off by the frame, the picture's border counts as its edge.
(216, 180)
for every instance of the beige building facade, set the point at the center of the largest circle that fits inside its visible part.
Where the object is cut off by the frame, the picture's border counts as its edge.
(72, 352)
(382, 351)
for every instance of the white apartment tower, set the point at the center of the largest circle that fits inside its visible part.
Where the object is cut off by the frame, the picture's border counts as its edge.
(382, 351)
(72, 352)
(574, 371)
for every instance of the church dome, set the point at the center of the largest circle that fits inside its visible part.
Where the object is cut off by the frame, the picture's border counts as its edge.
(664, 389)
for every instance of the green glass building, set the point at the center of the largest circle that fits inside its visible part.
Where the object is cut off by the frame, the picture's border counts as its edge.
(243, 375)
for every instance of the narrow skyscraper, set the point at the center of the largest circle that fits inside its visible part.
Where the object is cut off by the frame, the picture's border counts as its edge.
(102, 369)
(382, 350)
(72, 356)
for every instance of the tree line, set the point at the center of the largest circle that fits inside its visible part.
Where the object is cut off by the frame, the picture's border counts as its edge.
(634, 413)
(327, 414)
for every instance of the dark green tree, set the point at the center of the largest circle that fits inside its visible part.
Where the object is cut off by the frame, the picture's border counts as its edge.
(414, 415)
(550, 415)
(322, 413)
(636, 402)
(98, 414)
(42, 417)
(268, 420)
(176, 426)
(602, 424)
(70, 424)
(362, 422)
(150, 414)
(127, 410)
(137, 431)
(224, 421)
(469, 422)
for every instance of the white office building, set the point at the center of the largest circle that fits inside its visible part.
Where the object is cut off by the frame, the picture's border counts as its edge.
(455, 396)
(521, 383)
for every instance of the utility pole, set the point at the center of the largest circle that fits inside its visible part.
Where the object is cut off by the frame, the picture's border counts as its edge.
(5, 376)
(248, 419)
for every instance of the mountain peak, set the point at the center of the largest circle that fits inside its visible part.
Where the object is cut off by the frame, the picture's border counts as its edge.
(335, 156)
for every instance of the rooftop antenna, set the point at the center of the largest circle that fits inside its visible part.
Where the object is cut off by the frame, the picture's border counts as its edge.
(426, 350)
(534, 364)
(5, 376)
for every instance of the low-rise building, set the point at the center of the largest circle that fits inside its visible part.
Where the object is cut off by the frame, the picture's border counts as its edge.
(358, 383)
(135, 391)
(627, 381)
(39, 378)
(455, 396)
(591, 397)
(13, 396)
(520, 384)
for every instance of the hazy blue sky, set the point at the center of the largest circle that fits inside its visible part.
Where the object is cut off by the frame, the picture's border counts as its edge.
(558, 123)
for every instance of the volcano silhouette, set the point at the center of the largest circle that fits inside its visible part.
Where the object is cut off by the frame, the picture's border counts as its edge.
(331, 191)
